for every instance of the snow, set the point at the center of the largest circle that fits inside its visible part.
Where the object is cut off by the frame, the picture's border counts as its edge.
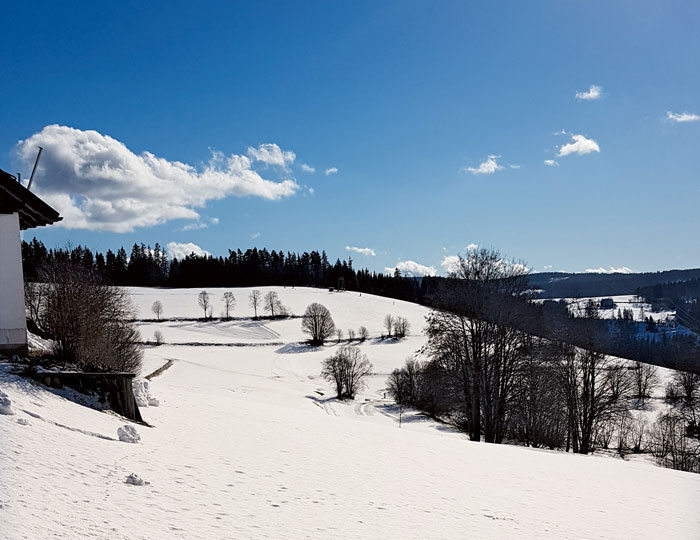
(128, 434)
(249, 443)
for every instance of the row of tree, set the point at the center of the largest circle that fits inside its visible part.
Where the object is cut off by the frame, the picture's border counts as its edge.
(146, 266)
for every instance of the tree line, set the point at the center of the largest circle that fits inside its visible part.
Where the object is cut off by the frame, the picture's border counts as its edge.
(151, 267)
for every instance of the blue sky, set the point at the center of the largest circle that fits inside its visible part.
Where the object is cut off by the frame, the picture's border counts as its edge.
(407, 100)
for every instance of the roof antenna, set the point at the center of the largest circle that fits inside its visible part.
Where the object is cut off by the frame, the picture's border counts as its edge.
(31, 178)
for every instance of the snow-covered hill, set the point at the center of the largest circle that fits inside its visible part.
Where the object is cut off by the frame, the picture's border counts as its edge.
(247, 443)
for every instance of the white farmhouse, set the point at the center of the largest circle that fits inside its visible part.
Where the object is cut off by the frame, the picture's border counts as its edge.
(20, 209)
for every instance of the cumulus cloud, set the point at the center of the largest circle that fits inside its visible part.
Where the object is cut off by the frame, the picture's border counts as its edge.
(489, 166)
(271, 154)
(472, 247)
(180, 251)
(307, 168)
(330, 171)
(97, 183)
(450, 263)
(215, 221)
(610, 270)
(367, 252)
(255, 235)
(682, 117)
(411, 269)
(594, 92)
(580, 145)
(551, 163)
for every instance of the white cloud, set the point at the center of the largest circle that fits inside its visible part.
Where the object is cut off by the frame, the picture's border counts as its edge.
(611, 270)
(450, 263)
(367, 252)
(307, 168)
(311, 191)
(255, 235)
(514, 166)
(271, 154)
(330, 171)
(195, 226)
(580, 146)
(489, 166)
(682, 117)
(548, 267)
(97, 183)
(594, 92)
(215, 221)
(180, 251)
(412, 269)
(472, 247)
(551, 163)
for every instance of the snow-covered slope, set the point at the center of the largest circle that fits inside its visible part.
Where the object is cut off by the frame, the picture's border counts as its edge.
(246, 443)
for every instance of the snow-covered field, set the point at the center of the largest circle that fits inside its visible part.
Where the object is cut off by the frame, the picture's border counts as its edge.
(247, 443)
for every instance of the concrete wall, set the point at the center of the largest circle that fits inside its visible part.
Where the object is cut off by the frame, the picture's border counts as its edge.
(13, 323)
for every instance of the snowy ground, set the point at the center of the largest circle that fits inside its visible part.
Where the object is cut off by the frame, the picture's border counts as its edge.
(247, 443)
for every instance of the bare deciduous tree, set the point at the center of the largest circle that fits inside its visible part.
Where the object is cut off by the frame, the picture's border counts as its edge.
(254, 300)
(401, 327)
(389, 324)
(158, 337)
(157, 309)
(339, 334)
(34, 299)
(347, 370)
(229, 303)
(363, 333)
(351, 334)
(272, 303)
(646, 378)
(317, 323)
(204, 302)
(90, 321)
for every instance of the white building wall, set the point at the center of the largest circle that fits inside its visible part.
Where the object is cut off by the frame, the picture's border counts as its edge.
(13, 325)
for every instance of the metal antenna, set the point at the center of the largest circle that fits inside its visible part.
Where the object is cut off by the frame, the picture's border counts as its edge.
(31, 178)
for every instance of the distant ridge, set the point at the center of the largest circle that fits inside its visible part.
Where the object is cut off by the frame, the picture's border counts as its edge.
(562, 284)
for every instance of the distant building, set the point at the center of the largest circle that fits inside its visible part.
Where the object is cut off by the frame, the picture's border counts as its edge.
(20, 210)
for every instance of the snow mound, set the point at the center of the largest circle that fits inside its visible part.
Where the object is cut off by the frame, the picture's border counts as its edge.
(39, 345)
(142, 393)
(5, 404)
(23, 421)
(128, 434)
(135, 480)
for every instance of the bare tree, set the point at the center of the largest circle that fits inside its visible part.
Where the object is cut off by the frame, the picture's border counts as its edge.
(157, 309)
(90, 321)
(229, 303)
(339, 334)
(671, 445)
(389, 324)
(158, 337)
(401, 327)
(351, 334)
(204, 302)
(317, 323)
(646, 378)
(271, 303)
(254, 300)
(465, 337)
(364, 334)
(34, 299)
(595, 387)
(347, 370)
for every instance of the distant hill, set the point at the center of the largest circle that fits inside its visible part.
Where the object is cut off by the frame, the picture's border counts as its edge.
(561, 284)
